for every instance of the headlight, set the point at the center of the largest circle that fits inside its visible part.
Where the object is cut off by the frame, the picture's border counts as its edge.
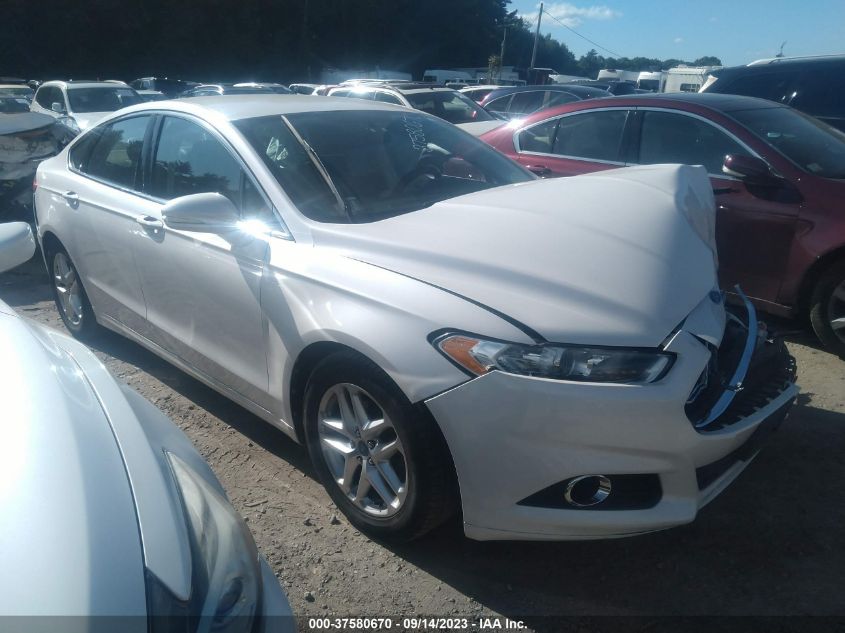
(226, 573)
(561, 362)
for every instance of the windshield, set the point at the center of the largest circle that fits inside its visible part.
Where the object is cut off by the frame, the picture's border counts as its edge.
(101, 99)
(812, 145)
(367, 165)
(451, 106)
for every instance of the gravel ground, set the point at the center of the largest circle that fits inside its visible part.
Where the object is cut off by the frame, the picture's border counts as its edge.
(770, 545)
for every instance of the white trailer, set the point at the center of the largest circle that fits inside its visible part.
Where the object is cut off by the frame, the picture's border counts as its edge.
(686, 78)
(611, 74)
(442, 77)
(650, 80)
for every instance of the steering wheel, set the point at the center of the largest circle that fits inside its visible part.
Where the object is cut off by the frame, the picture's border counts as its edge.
(427, 168)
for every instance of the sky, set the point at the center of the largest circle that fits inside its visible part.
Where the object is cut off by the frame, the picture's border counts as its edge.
(736, 31)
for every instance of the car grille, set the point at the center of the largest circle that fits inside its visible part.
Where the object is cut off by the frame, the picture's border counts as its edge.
(771, 371)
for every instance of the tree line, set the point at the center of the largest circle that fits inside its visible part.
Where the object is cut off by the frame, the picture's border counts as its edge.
(271, 40)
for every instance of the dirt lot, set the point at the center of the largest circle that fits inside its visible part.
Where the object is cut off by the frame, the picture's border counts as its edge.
(770, 545)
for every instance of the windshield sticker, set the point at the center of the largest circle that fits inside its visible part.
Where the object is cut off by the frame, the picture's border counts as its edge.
(414, 129)
(274, 152)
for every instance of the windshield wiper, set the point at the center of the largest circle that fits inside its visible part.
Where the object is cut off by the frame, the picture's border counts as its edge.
(320, 168)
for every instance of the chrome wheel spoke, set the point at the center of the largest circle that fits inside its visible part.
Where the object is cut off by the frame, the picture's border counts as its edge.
(383, 452)
(350, 467)
(339, 446)
(838, 324)
(380, 486)
(362, 490)
(392, 479)
(338, 427)
(346, 413)
(374, 428)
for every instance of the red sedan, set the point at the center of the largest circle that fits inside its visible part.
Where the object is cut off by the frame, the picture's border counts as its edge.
(778, 176)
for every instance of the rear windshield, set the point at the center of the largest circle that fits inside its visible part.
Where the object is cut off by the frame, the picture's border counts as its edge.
(812, 145)
(103, 99)
(366, 165)
(452, 106)
(12, 105)
(18, 91)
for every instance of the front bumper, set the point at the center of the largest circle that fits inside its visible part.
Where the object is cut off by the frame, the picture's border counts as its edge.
(512, 437)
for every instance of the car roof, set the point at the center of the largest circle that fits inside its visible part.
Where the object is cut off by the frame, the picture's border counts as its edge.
(70, 85)
(775, 63)
(586, 91)
(237, 107)
(714, 101)
(675, 100)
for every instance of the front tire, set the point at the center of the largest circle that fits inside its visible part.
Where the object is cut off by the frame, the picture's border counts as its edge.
(827, 309)
(70, 296)
(383, 462)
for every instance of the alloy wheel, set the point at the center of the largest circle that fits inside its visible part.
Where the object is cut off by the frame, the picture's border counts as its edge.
(362, 450)
(836, 311)
(68, 289)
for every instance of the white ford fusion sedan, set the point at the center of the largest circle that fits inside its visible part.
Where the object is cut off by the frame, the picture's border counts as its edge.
(439, 328)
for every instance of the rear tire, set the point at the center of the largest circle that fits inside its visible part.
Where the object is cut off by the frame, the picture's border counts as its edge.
(383, 462)
(70, 296)
(827, 309)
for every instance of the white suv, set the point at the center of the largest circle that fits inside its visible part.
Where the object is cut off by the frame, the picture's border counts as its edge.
(81, 104)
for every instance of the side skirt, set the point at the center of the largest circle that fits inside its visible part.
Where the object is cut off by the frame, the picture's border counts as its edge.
(222, 389)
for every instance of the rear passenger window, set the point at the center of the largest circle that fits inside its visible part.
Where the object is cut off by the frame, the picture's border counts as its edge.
(526, 102)
(677, 138)
(499, 104)
(592, 135)
(774, 86)
(821, 93)
(539, 138)
(116, 156)
(559, 98)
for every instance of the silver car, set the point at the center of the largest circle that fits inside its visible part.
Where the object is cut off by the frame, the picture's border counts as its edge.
(435, 324)
(106, 508)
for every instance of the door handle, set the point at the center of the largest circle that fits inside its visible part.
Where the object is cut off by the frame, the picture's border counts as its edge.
(71, 196)
(149, 222)
(540, 170)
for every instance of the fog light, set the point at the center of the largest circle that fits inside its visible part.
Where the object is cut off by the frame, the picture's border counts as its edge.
(587, 490)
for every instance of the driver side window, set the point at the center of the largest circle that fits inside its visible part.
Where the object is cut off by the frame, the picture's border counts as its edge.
(189, 159)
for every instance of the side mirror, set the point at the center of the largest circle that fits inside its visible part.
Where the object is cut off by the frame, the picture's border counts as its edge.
(748, 168)
(201, 212)
(17, 245)
(57, 107)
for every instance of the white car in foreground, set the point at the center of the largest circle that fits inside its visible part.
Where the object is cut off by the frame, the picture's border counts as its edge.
(435, 324)
(110, 518)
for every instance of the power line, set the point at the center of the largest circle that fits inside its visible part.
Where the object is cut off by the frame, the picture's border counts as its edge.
(617, 55)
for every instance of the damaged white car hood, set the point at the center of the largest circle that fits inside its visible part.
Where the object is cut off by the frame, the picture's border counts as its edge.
(618, 257)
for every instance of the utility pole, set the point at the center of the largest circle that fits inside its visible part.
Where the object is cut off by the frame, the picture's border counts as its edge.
(536, 37)
(502, 54)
